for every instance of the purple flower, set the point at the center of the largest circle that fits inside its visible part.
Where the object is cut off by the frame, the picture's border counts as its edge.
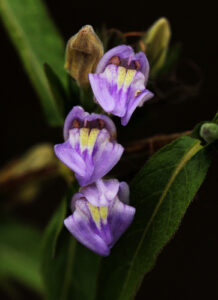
(101, 214)
(119, 81)
(90, 149)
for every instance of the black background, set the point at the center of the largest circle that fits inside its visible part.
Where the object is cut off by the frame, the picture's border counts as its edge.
(187, 267)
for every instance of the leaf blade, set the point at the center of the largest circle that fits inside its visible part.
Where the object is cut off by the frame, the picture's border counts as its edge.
(161, 193)
(68, 268)
(19, 255)
(37, 41)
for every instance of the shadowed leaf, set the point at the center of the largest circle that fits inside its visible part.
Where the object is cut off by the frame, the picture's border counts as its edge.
(19, 254)
(69, 270)
(37, 41)
(161, 193)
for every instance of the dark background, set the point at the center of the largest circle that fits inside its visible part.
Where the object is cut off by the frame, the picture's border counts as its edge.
(187, 267)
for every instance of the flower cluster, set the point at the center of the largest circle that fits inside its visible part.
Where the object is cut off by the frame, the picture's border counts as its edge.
(100, 210)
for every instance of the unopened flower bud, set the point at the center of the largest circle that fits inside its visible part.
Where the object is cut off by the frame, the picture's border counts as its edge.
(83, 52)
(209, 132)
(156, 42)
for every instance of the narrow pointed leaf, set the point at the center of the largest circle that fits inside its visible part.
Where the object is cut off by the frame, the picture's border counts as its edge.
(58, 92)
(48, 252)
(69, 270)
(161, 193)
(37, 41)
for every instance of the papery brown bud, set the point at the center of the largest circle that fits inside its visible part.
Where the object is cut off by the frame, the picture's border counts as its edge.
(83, 52)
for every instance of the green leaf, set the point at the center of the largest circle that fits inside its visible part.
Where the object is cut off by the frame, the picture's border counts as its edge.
(58, 92)
(19, 254)
(161, 193)
(215, 119)
(85, 273)
(69, 270)
(49, 244)
(37, 42)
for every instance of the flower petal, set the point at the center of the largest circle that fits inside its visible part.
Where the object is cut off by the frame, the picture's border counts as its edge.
(111, 88)
(77, 112)
(121, 51)
(144, 64)
(106, 155)
(121, 216)
(108, 123)
(102, 192)
(133, 103)
(79, 226)
(70, 158)
(104, 88)
(99, 227)
(81, 116)
(123, 193)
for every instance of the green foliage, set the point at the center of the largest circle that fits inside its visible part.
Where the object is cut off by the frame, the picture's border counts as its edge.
(58, 92)
(50, 260)
(69, 270)
(161, 193)
(215, 119)
(37, 42)
(19, 254)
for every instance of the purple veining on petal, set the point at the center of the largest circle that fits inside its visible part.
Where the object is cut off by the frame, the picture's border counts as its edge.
(119, 82)
(70, 158)
(79, 227)
(121, 51)
(106, 91)
(99, 227)
(134, 103)
(102, 192)
(93, 120)
(120, 102)
(121, 217)
(92, 160)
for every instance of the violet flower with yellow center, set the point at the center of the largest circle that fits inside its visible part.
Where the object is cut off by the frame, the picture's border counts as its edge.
(101, 214)
(90, 148)
(119, 82)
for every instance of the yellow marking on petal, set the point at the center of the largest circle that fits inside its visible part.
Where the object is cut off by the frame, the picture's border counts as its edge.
(103, 213)
(92, 138)
(129, 78)
(84, 135)
(95, 213)
(121, 76)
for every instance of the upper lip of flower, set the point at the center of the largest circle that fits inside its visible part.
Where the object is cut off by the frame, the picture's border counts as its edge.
(119, 81)
(89, 151)
(78, 118)
(125, 57)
